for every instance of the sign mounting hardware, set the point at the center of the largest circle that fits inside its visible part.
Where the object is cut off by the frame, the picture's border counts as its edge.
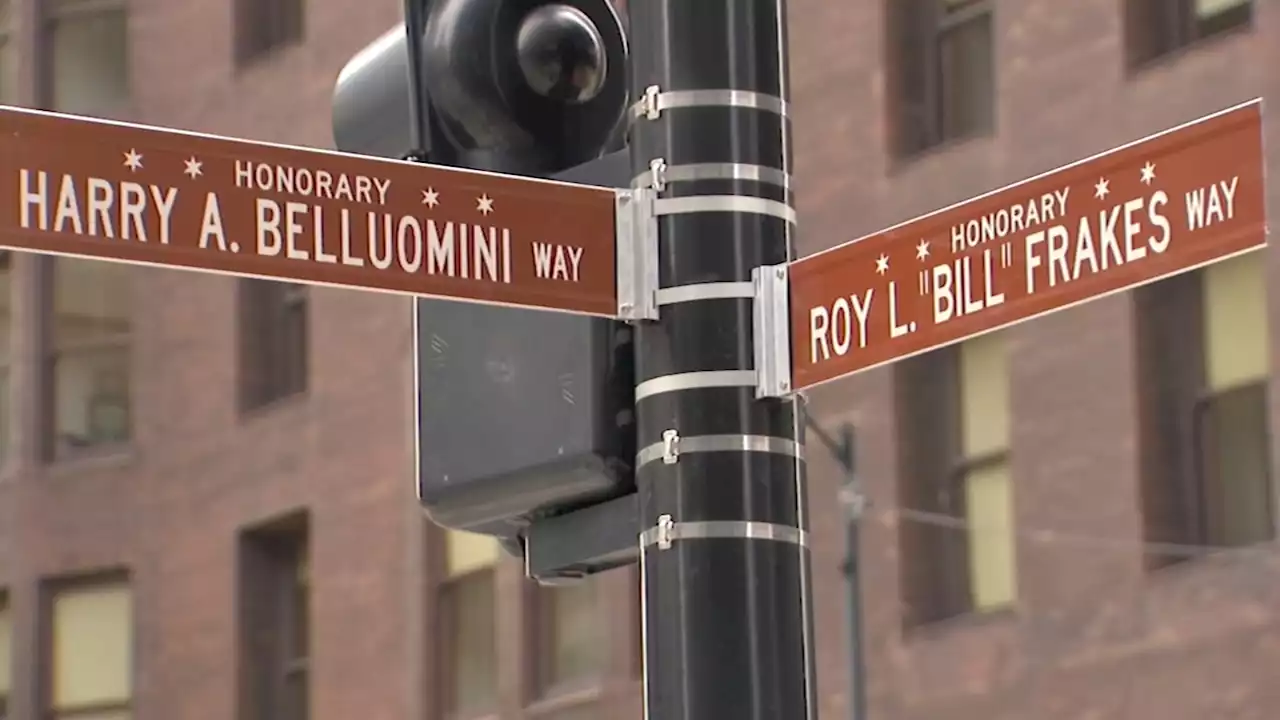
(637, 236)
(771, 317)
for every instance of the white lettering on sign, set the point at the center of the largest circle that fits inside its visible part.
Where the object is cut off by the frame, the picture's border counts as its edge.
(1014, 253)
(1009, 220)
(1121, 234)
(305, 182)
(94, 207)
(556, 262)
(831, 329)
(313, 232)
(1211, 204)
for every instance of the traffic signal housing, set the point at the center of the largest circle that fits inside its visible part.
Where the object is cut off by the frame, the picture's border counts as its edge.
(521, 415)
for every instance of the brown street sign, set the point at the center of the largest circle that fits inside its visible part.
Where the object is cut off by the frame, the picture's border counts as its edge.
(160, 197)
(1169, 203)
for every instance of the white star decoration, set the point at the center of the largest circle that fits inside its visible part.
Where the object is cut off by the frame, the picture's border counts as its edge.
(193, 168)
(1148, 173)
(484, 204)
(430, 197)
(922, 250)
(133, 160)
(1100, 190)
(882, 264)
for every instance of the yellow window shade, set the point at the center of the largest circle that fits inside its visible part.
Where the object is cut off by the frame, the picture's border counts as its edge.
(1235, 321)
(1209, 8)
(989, 512)
(92, 646)
(468, 551)
(984, 395)
(6, 650)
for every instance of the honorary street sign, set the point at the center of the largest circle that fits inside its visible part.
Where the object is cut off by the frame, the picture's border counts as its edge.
(1178, 200)
(160, 197)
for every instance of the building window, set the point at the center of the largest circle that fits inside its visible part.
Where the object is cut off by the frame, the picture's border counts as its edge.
(88, 355)
(942, 71)
(468, 640)
(957, 534)
(6, 655)
(1207, 462)
(88, 63)
(275, 605)
(8, 64)
(91, 650)
(6, 348)
(266, 25)
(569, 640)
(1155, 28)
(273, 341)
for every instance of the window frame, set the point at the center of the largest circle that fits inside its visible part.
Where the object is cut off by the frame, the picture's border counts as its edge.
(50, 590)
(917, 30)
(541, 648)
(51, 13)
(272, 367)
(51, 450)
(934, 555)
(272, 560)
(446, 647)
(1174, 399)
(1207, 484)
(937, 586)
(261, 28)
(1159, 29)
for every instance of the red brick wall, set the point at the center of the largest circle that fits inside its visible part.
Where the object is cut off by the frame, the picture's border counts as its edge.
(1093, 632)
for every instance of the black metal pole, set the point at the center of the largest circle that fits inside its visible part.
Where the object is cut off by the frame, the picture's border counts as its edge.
(415, 12)
(854, 502)
(724, 558)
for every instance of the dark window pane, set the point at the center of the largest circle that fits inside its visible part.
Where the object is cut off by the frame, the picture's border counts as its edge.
(1168, 317)
(472, 658)
(273, 341)
(294, 700)
(264, 25)
(1236, 466)
(968, 77)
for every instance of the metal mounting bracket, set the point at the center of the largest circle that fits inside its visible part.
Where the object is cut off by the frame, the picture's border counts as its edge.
(772, 330)
(670, 446)
(637, 261)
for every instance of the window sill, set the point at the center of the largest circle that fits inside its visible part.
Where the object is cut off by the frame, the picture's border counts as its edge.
(114, 457)
(263, 59)
(557, 699)
(1205, 556)
(902, 163)
(968, 622)
(273, 407)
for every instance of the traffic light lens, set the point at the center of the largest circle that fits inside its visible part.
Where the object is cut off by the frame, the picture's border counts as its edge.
(562, 54)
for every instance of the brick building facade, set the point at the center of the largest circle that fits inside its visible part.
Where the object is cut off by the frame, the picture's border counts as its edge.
(204, 506)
